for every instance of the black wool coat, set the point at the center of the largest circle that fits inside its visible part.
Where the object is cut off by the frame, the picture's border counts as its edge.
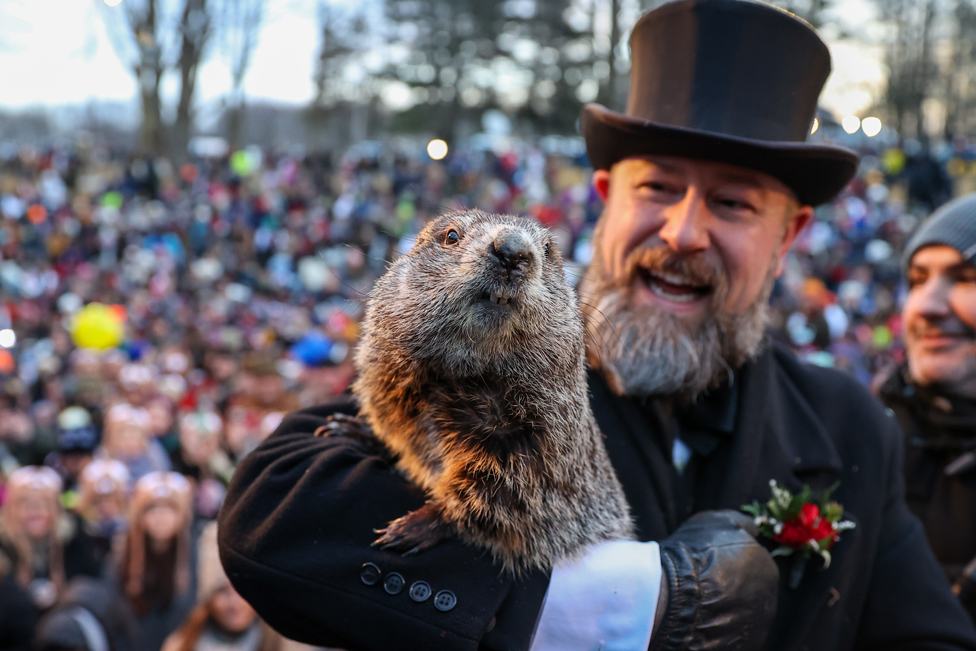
(296, 528)
(940, 471)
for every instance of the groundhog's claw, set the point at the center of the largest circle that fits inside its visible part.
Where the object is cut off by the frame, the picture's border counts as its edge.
(346, 425)
(415, 532)
(356, 429)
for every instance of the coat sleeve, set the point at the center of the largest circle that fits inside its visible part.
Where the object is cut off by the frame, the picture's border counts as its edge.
(295, 533)
(909, 604)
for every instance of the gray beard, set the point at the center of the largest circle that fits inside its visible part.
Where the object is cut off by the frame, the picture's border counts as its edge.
(643, 350)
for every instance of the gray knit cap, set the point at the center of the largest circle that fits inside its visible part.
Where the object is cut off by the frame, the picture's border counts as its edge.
(954, 224)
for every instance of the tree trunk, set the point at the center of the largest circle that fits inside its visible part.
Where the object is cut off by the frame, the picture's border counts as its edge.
(148, 71)
(195, 28)
(152, 119)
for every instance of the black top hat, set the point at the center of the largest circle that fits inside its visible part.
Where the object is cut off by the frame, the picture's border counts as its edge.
(731, 81)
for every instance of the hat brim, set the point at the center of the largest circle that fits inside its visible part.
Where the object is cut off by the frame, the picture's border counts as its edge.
(816, 173)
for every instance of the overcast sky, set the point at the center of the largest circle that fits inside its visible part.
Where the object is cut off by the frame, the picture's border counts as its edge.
(56, 52)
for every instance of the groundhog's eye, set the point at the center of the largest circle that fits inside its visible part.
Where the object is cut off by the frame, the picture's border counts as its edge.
(452, 237)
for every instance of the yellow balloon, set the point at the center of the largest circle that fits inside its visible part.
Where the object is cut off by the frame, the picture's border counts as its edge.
(96, 326)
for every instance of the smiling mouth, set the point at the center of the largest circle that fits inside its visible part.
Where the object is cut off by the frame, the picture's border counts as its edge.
(943, 338)
(673, 287)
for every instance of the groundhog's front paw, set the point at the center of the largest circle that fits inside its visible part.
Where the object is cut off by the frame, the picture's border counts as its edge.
(346, 425)
(416, 531)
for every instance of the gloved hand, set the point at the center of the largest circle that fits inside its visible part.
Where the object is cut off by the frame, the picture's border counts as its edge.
(722, 586)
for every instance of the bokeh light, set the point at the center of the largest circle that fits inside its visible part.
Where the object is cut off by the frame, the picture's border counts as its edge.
(8, 338)
(871, 127)
(851, 123)
(815, 126)
(437, 149)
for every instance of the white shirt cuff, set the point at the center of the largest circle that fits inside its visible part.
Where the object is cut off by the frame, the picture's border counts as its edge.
(604, 601)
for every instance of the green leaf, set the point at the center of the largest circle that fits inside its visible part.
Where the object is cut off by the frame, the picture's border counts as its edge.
(782, 550)
(796, 504)
(755, 509)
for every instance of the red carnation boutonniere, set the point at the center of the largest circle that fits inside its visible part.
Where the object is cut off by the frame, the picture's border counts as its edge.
(802, 527)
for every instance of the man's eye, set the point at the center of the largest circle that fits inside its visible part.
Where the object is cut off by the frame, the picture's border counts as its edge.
(966, 274)
(735, 204)
(654, 186)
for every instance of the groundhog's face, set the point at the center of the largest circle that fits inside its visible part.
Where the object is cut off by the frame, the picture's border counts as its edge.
(479, 289)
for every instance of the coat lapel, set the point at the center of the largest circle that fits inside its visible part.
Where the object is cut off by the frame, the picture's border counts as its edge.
(778, 436)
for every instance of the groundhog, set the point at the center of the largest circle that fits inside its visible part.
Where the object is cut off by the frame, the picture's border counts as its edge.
(471, 371)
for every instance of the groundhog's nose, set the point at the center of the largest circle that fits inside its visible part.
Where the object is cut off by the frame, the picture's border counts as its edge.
(511, 252)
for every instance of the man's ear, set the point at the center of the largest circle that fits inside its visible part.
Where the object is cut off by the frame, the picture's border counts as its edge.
(799, 221)
(601, 183)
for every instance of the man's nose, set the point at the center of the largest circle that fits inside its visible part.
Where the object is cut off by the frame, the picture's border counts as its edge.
(686, 227)
(932, 300)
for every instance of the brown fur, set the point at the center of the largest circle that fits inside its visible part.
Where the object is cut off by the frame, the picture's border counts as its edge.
(486, 407)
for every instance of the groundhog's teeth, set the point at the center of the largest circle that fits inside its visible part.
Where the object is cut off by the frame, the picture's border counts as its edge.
(498, 298)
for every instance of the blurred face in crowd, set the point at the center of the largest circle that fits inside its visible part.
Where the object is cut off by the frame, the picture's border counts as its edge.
(685, 256)
(74, 463)
(127, 440)
(161, 416)
(940, 320)
(34, 515)
(161, 522)
(222, 367)
(107, 507)
(265, 389)
(197, 442)
(230, 612)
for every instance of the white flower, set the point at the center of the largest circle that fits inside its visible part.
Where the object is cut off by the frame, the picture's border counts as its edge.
(778, 529)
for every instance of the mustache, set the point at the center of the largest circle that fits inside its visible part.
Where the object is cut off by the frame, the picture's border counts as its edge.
(696, 269)
(950, 327)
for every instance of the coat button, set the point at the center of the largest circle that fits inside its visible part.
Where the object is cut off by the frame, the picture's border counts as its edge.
(369, 574)
(420, 591)
(393, 583)
(444, 600)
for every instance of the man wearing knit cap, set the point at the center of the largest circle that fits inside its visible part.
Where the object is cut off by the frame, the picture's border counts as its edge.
(707, 180)
(934, 393)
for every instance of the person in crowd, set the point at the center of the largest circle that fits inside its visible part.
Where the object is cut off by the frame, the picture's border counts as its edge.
(933, 394)
(155, 572)
(200, 454)
(88, 617)
(103, 503)
(18, 614)
(162, 418)
(44, 546)
(221, 618)
(707, 183)
(128, 439)
(77, 441)
(261, 389)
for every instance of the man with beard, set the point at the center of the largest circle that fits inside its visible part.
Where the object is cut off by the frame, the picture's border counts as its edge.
(707, 182)
(933, 394)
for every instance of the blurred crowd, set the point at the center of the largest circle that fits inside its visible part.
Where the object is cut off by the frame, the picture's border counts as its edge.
(158, 321)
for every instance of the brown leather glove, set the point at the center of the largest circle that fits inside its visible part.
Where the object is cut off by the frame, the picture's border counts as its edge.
(722, 585)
